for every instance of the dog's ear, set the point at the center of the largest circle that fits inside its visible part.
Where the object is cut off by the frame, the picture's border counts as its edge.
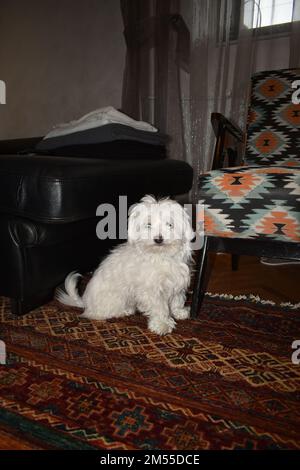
(134, 214)
(182, 214)
(133, 210)
(188, 230)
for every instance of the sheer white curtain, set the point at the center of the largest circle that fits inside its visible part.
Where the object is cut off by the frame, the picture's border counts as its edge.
(227, 46)
(189, 58)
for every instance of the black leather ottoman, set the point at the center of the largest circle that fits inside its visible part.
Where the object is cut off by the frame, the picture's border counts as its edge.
(48, 213)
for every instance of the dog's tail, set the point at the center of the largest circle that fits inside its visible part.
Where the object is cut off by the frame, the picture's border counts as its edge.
(71, 296)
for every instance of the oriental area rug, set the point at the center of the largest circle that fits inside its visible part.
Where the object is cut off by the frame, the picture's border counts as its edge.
(223, 381)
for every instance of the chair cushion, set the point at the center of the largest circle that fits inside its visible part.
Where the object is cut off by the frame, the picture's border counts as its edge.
(66, 189)
(252, 202)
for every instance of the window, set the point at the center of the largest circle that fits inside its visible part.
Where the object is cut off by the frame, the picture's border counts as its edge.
(264, 13)
(265, 16)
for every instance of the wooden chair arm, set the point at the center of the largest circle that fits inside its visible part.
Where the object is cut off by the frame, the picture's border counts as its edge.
(220, 123)
(222, 126)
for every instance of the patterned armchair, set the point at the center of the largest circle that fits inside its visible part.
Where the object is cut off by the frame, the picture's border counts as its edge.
(254, 209)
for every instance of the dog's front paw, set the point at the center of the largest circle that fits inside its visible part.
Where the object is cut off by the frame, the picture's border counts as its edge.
(161, 327)
(181, 313)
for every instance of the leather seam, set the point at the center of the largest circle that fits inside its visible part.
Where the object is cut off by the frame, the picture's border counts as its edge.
(19, 190)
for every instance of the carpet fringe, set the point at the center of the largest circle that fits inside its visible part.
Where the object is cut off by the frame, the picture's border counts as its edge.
(254, 299)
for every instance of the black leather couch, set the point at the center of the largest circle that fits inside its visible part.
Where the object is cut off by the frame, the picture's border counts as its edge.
(48, 213)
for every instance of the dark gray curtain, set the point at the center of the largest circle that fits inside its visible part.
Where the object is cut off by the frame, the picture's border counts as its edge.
(157, 42)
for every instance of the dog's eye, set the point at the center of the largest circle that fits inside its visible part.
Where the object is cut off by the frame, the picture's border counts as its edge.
(148, 225)
(169, 224)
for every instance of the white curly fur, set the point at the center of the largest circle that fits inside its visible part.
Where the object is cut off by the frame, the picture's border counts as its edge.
(142, 275)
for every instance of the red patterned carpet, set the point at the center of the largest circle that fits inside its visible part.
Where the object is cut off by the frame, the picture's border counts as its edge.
(224, 381)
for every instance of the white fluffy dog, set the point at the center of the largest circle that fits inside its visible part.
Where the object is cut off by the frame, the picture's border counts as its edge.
(149, 273)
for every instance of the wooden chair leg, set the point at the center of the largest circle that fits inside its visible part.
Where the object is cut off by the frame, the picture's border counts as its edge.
(199, 284)
(235, 262)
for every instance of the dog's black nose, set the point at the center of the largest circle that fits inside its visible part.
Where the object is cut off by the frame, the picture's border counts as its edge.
(158, 240)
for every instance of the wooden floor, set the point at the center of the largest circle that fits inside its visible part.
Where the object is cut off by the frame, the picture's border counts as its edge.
(280, 284)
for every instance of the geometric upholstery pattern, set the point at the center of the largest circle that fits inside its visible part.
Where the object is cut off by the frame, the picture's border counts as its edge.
(252, 202)
(273, 136)
(260, 200)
